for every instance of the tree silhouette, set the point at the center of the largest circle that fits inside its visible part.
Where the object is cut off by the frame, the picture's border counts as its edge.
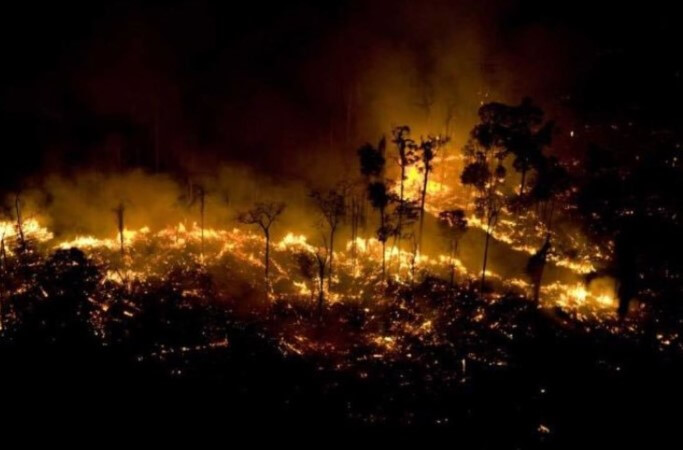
(515, 130)
(380, 199)
(306, 264)
(263, 215)
(453, 225)
(372, 161)
(405, 148)
(332, 208)
(323, 260)
(119, 211)
(426, 152)
(485, 171)
(409, 212)
(372, 165)
(552, 185)
(20, 222)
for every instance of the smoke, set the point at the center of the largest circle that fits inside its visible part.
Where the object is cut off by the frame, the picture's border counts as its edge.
(150, 104)
(287, 91)
(85, 202)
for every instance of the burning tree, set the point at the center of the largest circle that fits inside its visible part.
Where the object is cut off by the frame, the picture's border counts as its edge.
(314, 265)
(527, 137)
(372, 165)
(372, 161)
(552, 185)
(485, 172)
(20, 223)
(426, 151)
(518, 131)
(380, 198)
(323, 260)
(263, 215)
(119, 211)
(405, 147)
(332, 208)
(453, 224)
(356, 214)
(408, 212)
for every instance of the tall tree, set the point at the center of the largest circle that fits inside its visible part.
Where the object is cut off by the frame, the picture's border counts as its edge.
(264, 216)
(306, 263)
(552, 186)
(405, 148)
(20, 222)
(323, 260)
(372, 167)
(331, 206)
(380, 199)
(372, 160)
(426, 152)
(453, 225)
(516, 130)
(485, 173)
(119, 211)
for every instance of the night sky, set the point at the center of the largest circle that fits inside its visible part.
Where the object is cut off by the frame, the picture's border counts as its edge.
(287, 86)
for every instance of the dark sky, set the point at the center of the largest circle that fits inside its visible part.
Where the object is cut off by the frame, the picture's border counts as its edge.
(286, 86)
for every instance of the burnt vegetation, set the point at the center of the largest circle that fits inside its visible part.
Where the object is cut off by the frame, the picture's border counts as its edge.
(211, 241)
(419, 347)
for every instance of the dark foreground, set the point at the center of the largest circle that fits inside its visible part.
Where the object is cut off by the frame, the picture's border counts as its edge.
(556, 387)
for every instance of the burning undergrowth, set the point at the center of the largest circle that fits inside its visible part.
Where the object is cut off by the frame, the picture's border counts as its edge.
(413, 348)
(375, 282)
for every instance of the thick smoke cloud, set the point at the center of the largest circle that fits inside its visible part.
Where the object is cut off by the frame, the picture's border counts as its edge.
(289, 90)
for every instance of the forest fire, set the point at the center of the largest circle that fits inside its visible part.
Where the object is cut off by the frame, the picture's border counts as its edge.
(446, 215)
(245, 245)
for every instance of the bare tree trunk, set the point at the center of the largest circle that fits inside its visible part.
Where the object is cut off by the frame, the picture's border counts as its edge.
(120, 224)
(486, 253)
(423, 198)
(267, 233)
(399, 222)
(20, 222)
